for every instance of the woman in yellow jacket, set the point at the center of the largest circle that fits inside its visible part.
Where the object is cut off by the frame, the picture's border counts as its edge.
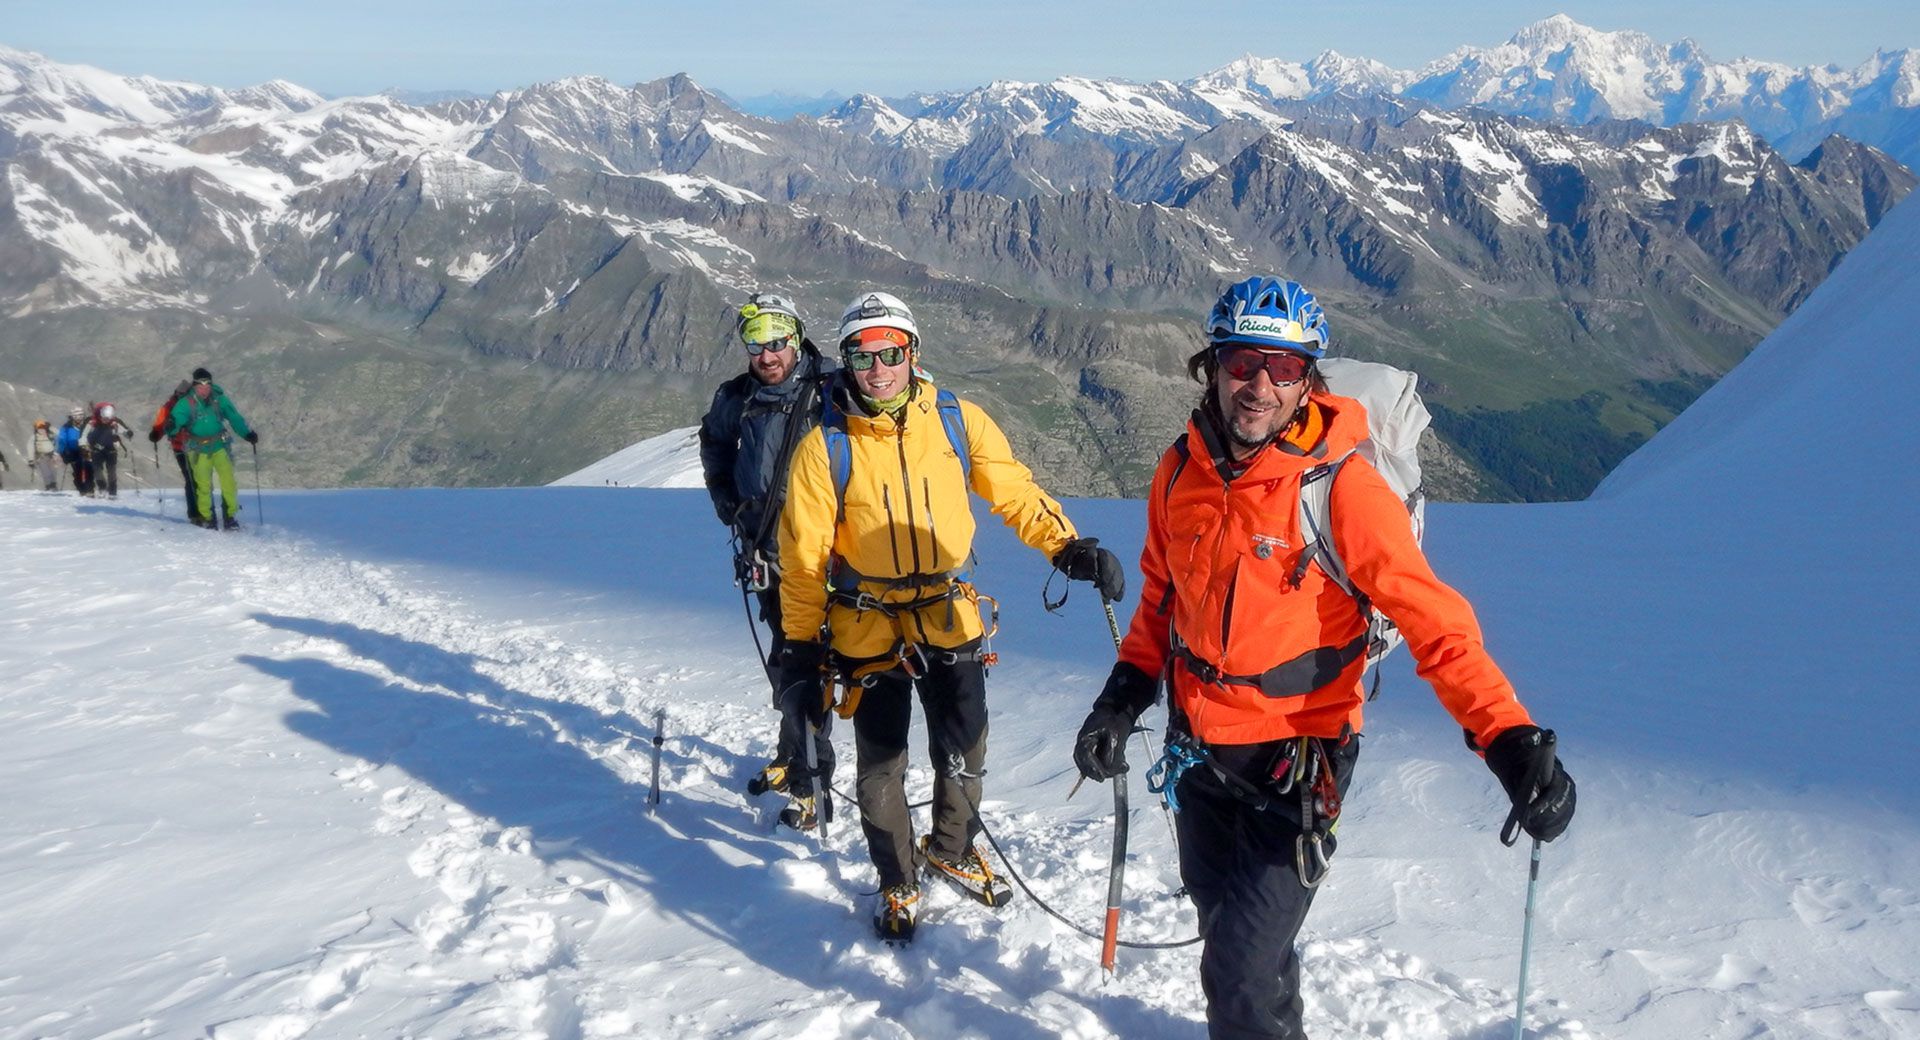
(874, 542)
(1263, 653)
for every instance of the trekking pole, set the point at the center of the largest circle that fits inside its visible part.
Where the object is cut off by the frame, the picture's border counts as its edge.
(1526, 943)
(659, 738)
(1117, 868)
(259, 511)
(822, 792)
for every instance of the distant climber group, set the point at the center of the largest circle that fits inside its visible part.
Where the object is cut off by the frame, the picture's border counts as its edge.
(198, 420)
(846, 489)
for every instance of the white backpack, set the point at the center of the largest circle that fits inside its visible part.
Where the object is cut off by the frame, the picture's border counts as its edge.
(1396, 417)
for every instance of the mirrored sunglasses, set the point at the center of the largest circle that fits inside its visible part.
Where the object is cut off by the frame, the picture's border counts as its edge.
(775, 345)
(861, 360)
(1283, 367)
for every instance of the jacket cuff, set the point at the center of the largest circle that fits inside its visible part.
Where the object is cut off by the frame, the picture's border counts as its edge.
(1129, 690)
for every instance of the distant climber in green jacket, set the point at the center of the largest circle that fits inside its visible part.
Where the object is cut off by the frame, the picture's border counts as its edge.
(205, 415)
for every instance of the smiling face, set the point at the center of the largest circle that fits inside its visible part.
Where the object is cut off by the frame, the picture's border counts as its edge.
(867, 357)
(1256, 409)
(772, 367)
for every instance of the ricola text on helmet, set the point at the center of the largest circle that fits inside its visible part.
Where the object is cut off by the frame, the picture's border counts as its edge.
(767, 317)
(877, 310)
(1269, 314)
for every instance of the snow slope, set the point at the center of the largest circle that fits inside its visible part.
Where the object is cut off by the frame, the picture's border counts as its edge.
(671, 459)
(378, 767)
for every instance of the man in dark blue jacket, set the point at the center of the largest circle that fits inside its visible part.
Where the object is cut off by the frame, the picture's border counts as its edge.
(746, 440)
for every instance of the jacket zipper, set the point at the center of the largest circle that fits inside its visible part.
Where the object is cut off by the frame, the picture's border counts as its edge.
(1226, 613)
(906, 485)
(893, 536)
(933, 532)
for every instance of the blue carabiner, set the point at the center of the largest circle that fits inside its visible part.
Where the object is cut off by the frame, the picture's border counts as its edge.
(1165, 774)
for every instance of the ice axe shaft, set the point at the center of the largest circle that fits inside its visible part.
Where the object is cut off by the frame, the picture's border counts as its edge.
(1117, 868)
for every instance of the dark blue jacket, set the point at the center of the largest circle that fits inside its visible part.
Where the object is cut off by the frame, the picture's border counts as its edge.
(743, 443)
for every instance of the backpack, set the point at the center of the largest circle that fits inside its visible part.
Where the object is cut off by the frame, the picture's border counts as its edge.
(1396, 417)
(833, 426)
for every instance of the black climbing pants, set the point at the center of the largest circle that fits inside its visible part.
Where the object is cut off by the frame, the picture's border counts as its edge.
(186, 473)
(797, 709)
(954, 698)
(1238, 863)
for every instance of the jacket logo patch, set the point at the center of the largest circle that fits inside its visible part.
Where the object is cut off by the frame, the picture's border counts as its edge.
(1265, 544)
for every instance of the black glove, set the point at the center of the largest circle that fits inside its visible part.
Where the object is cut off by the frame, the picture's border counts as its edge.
(799, 677)
(1083, 560)
(253, 437)
(1100, 750)
(154, 436)
(1524, 760)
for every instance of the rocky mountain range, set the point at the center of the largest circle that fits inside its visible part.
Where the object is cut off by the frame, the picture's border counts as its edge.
(503, 289)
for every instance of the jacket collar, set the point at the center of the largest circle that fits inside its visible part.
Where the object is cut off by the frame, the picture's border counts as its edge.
(846, 396)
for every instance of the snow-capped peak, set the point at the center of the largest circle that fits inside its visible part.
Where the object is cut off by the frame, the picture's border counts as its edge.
(1559, 32)
(141, 99)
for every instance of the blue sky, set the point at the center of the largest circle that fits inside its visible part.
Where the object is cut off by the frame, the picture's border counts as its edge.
(813, 46)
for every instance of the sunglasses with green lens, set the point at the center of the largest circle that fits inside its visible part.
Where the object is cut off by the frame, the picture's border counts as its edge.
(861, 360)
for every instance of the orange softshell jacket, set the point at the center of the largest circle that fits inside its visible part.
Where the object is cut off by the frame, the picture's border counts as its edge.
(1219, 564)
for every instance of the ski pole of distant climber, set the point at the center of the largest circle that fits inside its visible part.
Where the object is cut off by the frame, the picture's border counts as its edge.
(659, 738)
(1117, 869)
(259, 511)
(1526, 944)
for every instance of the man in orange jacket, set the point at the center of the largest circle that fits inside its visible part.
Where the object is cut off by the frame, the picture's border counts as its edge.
(1264, 654)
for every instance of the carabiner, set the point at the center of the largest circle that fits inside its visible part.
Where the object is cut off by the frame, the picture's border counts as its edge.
(1310, 847)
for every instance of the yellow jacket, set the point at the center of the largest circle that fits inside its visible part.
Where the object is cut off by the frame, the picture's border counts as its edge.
(906, 514)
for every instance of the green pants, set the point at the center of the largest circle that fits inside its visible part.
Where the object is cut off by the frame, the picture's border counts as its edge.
(206, 464)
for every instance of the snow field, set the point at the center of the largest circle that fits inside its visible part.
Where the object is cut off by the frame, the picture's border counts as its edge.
(279, 792)
(380, 768)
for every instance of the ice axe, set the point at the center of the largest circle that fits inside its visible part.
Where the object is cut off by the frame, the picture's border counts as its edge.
(1117, 868)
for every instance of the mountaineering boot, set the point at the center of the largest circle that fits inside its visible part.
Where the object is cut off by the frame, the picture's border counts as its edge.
(970, 874)
(771, 778)
(800, 814)
(896, 911)
(231, 524)
(202, 522)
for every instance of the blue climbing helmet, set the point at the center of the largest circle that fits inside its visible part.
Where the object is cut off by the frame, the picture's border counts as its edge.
(1270, 314)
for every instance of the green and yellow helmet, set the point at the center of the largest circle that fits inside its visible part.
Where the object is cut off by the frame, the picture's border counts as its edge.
(768, 318)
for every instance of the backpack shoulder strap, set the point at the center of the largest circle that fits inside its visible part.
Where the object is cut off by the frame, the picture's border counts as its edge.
(956, 427)
(1316, 502)
(1186, 454)
(833, 429)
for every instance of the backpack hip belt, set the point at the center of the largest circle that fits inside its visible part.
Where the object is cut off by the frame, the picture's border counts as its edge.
(203, 445)
(1294, 678)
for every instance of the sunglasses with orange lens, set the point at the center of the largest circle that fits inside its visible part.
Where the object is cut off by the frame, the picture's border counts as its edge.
(1283, 367)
